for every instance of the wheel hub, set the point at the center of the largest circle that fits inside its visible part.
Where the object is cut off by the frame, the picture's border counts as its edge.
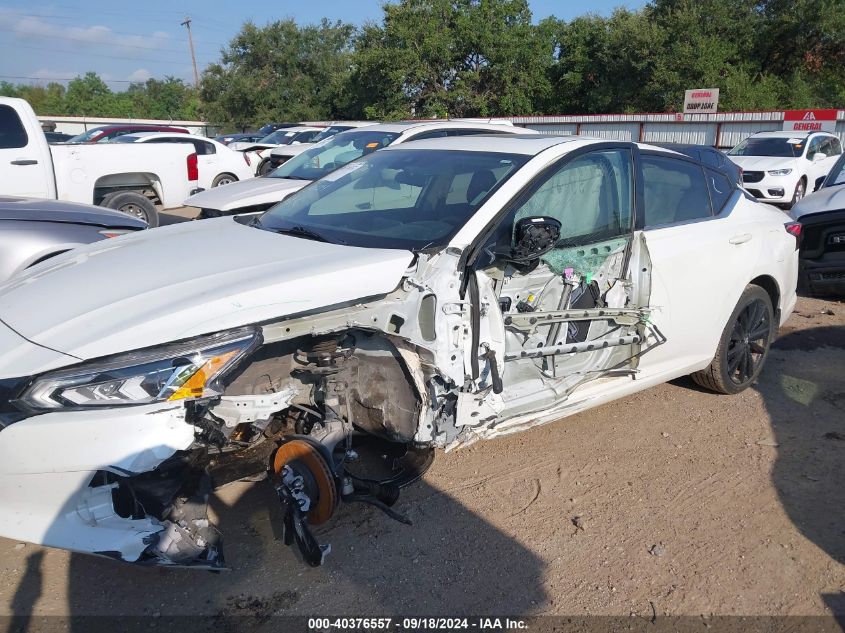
(307, 475)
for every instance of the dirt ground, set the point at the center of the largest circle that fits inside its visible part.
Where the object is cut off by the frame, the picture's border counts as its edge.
(673, 499)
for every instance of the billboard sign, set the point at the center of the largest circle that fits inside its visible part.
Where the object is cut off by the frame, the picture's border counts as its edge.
(809, 120)
(701, 101)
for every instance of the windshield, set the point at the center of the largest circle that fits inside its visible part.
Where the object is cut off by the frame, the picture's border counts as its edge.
(837, 174)
(86, 137)
(264, 130)
(330, 131)
(279, 137)
(316, 162)
(408, 199)
(770, 146)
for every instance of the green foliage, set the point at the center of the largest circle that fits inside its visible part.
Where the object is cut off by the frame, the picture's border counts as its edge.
(433, 58)
(280, 72)
(89, 95)
(437, 58)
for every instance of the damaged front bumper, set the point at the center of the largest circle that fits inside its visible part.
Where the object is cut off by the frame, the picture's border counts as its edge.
(63, 483)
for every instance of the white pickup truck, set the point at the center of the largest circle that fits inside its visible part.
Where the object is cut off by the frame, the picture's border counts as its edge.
(129, 177)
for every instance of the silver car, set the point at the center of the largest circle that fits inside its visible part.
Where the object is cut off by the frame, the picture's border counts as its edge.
(32, 229)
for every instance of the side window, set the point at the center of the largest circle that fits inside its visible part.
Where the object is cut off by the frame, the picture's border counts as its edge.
(472, 132)
(12, 132)
(431, 134)
(836, 146)
(814, 145)
(590, 195)
(713, 158)
(203, 148)
(675, 191)
(306, 137)
(115, 134)
(720, 189)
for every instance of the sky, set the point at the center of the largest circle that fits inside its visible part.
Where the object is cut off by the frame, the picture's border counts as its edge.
(125, 42)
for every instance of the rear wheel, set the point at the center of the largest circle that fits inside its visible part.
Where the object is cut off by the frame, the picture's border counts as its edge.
(744, 345)
(132, 203)
(265, 167)
(223, 179)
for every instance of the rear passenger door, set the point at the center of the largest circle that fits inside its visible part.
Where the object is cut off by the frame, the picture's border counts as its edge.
(699, 249)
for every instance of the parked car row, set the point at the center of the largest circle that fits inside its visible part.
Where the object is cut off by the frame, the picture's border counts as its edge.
(334, 151)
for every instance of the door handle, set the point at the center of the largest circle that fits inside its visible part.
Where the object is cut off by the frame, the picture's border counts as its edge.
(740, 239)
(25, 161)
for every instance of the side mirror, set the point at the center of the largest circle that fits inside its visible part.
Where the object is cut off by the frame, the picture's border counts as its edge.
(819, 183)
(819, 156)
(533, 238)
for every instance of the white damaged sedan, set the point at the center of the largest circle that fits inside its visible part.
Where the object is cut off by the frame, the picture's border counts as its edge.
(428, 295)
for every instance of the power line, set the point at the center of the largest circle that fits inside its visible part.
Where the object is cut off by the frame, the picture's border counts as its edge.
(42, 16)
(94, 42)
(108, 81)
(139, 60)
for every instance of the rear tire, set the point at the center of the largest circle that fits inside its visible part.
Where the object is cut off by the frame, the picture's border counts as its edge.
(264, 167)
(223, 179)
(744, 345)
(132, 203)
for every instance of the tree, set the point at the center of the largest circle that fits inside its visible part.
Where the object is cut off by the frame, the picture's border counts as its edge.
(433, 58)
(278, 72)
(88, 96)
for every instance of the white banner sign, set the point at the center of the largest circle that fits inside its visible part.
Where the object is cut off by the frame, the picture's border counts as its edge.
(701, 101)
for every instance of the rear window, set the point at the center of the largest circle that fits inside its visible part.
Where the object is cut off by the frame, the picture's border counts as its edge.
(12, 132)
(720, 189)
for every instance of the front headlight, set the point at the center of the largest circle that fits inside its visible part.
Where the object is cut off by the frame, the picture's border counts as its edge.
(177, 371)
(780, 172)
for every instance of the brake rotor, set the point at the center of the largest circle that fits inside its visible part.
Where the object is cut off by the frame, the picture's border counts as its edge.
(305, 460)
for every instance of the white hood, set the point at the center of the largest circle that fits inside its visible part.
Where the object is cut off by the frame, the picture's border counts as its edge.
(827, 199)
(184, 280)
(246, 193)
(763, 163)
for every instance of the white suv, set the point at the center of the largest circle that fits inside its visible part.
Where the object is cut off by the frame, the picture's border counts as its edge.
(781, 167)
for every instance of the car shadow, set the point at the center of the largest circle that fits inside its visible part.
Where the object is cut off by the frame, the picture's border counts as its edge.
(803, 387)
(450, 561)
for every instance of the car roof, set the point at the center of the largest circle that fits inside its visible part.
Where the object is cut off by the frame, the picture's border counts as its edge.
(187, 137)
(298, 128)
(786, 134)
(528, 144)
(678, 146)
(404, 126)
(140, 127)
(352, 124)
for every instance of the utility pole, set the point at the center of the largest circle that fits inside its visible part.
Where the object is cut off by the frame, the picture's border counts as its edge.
(187, 24)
